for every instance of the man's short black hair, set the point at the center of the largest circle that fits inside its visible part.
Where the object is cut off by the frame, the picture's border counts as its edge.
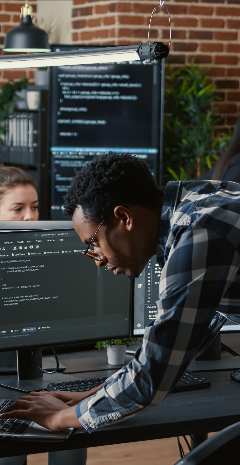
(109, 180)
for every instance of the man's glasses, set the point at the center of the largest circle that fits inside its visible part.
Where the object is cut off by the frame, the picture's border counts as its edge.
(89, 252)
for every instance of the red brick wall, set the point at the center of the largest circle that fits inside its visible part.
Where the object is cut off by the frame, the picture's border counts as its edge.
(206, 31)
(9, 18)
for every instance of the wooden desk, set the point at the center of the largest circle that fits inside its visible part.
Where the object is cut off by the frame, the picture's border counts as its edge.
(194, 412)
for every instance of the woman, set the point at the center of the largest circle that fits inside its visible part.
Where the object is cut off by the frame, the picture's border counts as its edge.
(19, 202)
(18, 195)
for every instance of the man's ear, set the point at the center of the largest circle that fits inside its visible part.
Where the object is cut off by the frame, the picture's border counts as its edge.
(124, 214)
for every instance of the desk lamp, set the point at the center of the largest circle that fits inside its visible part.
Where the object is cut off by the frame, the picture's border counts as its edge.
(149, 51)
(146, 51)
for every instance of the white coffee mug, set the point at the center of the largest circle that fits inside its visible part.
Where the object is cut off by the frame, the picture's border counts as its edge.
(33, 99)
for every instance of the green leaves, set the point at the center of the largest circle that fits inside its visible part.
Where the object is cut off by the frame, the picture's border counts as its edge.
(190, 147)
(8, 98)
(117, 342)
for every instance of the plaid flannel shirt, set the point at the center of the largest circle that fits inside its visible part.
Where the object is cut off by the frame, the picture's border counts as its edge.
(199, 253)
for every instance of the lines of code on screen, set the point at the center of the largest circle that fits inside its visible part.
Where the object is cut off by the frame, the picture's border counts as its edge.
(51, 292)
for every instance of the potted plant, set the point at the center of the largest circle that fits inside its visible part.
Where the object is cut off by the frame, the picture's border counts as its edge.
(116, 348)
(190, 146)
(9, 96)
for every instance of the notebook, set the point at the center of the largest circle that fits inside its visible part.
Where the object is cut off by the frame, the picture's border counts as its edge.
(14, 428)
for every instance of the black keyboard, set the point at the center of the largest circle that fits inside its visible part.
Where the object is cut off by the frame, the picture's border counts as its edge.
(191, 381)
(79, 385)
(188, 382)
(5, 403)
(12, 425)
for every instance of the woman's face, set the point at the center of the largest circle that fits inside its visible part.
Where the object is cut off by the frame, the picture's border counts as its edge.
(19, 203)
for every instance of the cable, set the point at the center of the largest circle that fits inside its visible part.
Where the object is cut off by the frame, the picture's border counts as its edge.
(180, 448)
(42, 369)
(189, 447)
(193, 441)
(228, 349)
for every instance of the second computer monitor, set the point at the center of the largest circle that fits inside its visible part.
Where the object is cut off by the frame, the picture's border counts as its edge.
(146, 291)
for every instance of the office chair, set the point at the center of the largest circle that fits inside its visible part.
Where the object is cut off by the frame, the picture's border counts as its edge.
(228, 164)
(221, 449)
(227, 157)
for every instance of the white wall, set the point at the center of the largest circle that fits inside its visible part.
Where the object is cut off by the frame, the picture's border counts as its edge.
(59, 14)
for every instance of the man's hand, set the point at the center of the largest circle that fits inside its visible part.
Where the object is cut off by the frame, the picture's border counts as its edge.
(54, 410)
(44, 409)
(68, 397)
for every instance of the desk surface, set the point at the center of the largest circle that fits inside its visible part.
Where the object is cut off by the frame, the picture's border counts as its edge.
(193, 412)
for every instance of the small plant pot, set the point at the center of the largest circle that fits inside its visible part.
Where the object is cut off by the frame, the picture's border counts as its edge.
(116, 355)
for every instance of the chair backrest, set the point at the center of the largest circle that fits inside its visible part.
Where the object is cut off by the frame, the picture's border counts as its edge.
(221, 449)
(233, 149)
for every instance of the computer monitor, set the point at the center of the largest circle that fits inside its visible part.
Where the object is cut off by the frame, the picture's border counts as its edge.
(145, 296)
(96, 109)
(146, 291)
(51, 294)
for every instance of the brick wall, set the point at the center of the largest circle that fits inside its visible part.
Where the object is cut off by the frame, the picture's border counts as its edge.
(206, 31)
(9, 18)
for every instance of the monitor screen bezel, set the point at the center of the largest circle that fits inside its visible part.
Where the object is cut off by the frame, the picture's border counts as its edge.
(158, 83)
(48, 225)
(228, 327)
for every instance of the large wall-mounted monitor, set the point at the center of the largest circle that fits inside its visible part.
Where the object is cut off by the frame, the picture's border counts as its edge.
(100, 108)
(51, 294)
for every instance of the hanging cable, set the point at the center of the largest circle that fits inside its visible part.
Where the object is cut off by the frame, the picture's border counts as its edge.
(228, 349)
(161, 3)
(42, 369)
(180, 448)
(186, 440)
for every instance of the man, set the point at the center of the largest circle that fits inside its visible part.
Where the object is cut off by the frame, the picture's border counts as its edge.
(124, 219)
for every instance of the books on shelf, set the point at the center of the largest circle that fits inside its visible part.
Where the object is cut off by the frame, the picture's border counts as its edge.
(21, 142)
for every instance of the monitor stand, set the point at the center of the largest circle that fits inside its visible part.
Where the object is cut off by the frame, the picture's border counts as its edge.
(8, 363)
(29, 376)
(211, 360)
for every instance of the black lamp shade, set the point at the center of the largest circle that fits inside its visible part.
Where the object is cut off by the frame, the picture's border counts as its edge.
(26, 37)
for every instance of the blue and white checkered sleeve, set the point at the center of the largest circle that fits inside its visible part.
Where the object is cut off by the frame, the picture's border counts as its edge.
(200, 266)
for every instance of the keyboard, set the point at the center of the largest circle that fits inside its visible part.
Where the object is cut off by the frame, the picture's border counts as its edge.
(188, 382)
(5, 404)
(12, 425)
(191, 381)
(79, 385)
